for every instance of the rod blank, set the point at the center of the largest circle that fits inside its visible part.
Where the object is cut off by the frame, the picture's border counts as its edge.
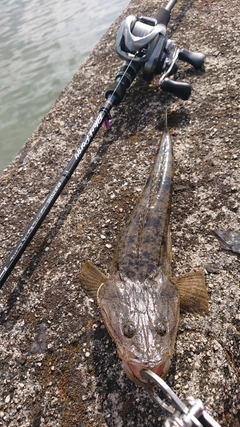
(54, 193)
(170, 5)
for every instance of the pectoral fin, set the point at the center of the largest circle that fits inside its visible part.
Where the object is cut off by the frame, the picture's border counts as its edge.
(193, 292)
(91, 278)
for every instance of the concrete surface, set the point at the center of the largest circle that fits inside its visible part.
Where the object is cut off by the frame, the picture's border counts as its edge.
(58, 364)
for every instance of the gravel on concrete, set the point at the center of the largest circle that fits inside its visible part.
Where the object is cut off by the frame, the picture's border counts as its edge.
(58, 366)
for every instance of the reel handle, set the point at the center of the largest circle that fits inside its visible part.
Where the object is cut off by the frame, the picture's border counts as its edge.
(196, 59)
(180, 89)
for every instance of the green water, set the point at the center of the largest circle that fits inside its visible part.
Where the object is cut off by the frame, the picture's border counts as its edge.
(42, 44)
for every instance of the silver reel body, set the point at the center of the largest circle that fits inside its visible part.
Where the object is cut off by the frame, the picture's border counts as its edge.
(142, 40)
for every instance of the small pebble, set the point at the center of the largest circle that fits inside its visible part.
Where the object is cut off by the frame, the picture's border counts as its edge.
(7, 399)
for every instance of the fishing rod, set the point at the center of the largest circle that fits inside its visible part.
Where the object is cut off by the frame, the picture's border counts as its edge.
(143, 44)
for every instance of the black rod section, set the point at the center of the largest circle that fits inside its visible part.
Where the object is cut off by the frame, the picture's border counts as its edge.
(55, 192)
(114, 96)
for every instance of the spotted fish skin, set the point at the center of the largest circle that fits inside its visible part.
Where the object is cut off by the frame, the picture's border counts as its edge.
(139, 302)
(144, 246)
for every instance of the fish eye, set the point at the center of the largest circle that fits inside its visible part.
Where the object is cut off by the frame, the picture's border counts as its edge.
(161, 328)
(129, 330)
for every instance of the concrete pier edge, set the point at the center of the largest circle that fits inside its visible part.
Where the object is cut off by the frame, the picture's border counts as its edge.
(58, 365)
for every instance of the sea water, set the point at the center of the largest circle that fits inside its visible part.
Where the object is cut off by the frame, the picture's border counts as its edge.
(42, 44)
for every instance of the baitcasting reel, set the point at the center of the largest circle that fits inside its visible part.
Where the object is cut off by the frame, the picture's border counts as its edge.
(143, 41)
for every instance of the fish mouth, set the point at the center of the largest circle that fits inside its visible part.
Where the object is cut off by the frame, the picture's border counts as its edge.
(133, 371)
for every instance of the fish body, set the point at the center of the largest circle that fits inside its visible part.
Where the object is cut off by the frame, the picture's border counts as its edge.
(140, 302)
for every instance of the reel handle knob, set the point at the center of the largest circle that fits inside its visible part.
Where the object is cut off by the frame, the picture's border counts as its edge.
(196, 59)
(180, 89)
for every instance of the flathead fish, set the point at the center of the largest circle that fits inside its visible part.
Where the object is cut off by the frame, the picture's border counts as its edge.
(140, 301)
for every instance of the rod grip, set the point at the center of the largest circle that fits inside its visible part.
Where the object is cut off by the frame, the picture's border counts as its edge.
(162, 16)
(124, 79)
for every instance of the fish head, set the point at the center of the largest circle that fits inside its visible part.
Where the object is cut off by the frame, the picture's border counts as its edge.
(142, 318)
